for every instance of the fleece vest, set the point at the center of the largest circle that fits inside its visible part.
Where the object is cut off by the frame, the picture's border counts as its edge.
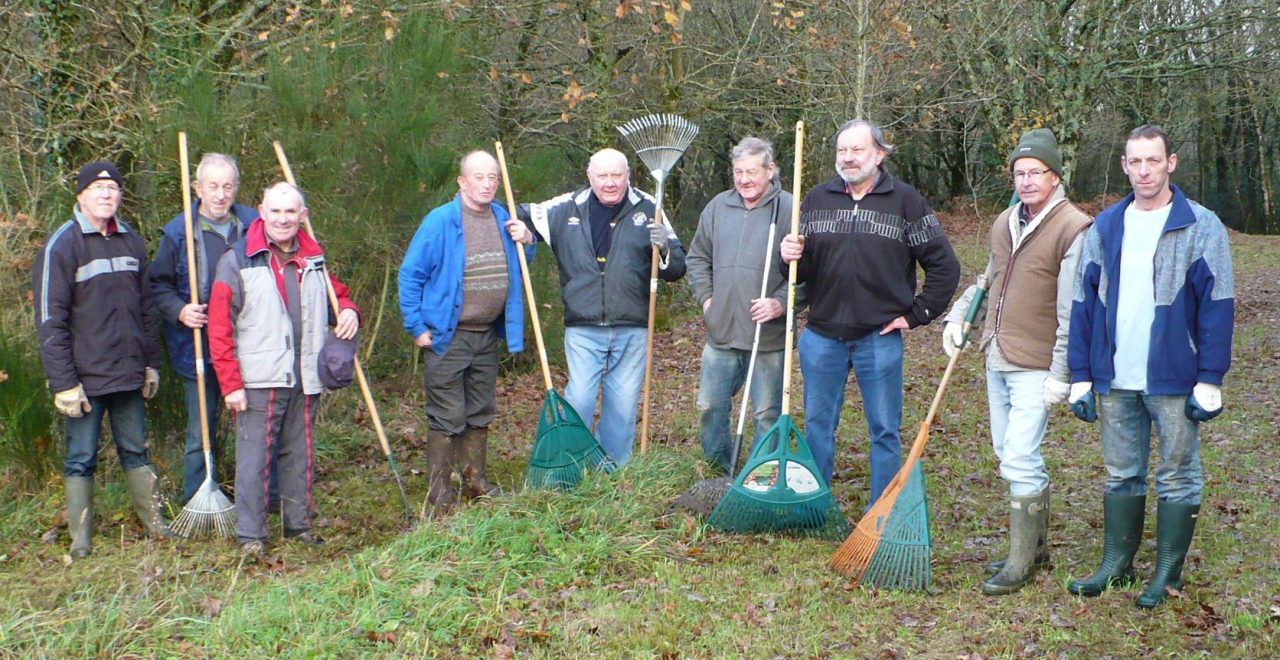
(1024, 285)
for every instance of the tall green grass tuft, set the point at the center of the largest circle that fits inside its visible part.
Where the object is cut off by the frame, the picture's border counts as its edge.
(26, 414)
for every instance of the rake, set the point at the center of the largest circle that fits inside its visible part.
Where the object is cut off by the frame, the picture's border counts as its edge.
(364, 384)
(781, 488)
(660, 141)
(704, 495)
(889, 548)
(208, 510)
(564, 448)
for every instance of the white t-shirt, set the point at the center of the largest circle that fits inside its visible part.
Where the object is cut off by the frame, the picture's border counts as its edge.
(1136, 307)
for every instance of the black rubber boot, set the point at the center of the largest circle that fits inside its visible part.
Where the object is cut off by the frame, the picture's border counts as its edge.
(80, 515)
(470, 458)
(1122, 528)
(1042, 543)
(1175, 525)
(439, 470)
(1024, 536)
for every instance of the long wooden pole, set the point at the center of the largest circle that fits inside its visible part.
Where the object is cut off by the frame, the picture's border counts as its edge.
(193, 283)
(524, 270)
(791, 271)
(364, 384)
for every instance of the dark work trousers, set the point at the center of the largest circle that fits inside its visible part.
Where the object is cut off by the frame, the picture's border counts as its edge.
(461, 384)
(274, 429)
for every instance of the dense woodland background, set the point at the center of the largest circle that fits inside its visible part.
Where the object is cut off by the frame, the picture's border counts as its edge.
(375, 102)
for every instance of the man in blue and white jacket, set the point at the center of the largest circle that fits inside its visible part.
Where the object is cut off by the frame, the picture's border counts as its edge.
(460, 291)
(1151, 325)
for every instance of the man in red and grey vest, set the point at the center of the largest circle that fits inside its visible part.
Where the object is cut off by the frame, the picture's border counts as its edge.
(268, 317)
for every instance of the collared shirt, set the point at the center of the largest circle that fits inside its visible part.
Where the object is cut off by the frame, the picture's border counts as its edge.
(87, 226)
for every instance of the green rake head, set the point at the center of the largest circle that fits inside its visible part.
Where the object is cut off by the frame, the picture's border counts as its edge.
(901, 560)
(780, 490)
(564, 449)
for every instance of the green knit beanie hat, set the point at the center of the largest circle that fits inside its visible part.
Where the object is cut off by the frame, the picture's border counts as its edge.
(1039, 143)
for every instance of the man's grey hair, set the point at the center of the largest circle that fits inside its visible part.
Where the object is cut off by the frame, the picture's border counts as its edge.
(877, 135)
(285, 185)
(212, 158)
(753, 146)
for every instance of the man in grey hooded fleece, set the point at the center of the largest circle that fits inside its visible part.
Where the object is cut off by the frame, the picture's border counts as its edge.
(726, 265)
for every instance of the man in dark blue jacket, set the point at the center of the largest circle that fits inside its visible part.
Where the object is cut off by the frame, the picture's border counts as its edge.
(603, 237)
(221, 222)
(97, 342)
(1151, 326)
(460, 291)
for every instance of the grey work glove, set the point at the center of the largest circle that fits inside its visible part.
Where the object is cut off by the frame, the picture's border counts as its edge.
(150, 382)
(659, 235)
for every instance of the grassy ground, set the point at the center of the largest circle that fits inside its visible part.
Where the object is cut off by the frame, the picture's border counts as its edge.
(609, 570)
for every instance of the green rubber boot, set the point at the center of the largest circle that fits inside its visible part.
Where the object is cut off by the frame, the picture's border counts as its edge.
(1175, 525)
(1025, 533)
(439, 470)
(1042, 543)
(146, 501)
(469, 455)
(1122, 517)
(80, 515)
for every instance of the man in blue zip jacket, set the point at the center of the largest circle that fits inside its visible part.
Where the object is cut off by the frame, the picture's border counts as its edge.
(1151, 325)
(460, 291)
(221, 222)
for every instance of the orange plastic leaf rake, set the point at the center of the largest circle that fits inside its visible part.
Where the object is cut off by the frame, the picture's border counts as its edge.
(889, 548)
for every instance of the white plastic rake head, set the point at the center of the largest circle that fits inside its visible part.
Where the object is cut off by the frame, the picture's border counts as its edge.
(660, 140)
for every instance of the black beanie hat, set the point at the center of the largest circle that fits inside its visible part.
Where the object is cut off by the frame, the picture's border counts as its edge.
(97, 171)
(1039, 143)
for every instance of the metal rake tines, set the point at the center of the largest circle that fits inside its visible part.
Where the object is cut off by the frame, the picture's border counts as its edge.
(660, 140)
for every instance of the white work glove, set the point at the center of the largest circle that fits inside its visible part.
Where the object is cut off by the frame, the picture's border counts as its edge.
(1205, 402)
(150, 382)
(72, 402)
(952, 338)
(1084, 404)
(1055, 391)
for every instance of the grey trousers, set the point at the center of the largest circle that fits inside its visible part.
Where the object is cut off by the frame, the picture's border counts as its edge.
(275, 429)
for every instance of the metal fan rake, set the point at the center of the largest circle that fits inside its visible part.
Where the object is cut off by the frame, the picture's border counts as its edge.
(660, 140)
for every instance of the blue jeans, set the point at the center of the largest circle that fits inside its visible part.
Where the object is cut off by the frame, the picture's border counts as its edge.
(1018, 421)
(723, 373)
(193, 449)
(612, 357)
(1126, 417)
(128, 430)
(876, 361)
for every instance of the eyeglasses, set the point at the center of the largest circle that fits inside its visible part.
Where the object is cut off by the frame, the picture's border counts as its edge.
(1029, 174)
(100, 188)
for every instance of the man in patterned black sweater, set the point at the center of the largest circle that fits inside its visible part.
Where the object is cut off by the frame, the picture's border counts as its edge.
(862, 236)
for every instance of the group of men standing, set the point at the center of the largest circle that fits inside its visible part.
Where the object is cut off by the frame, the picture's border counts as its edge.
(1127, 317)
(263, 309)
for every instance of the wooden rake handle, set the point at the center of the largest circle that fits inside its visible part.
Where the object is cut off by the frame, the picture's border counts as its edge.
(791, 271)
(333, 300)
(524, 268)
(193, 283)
